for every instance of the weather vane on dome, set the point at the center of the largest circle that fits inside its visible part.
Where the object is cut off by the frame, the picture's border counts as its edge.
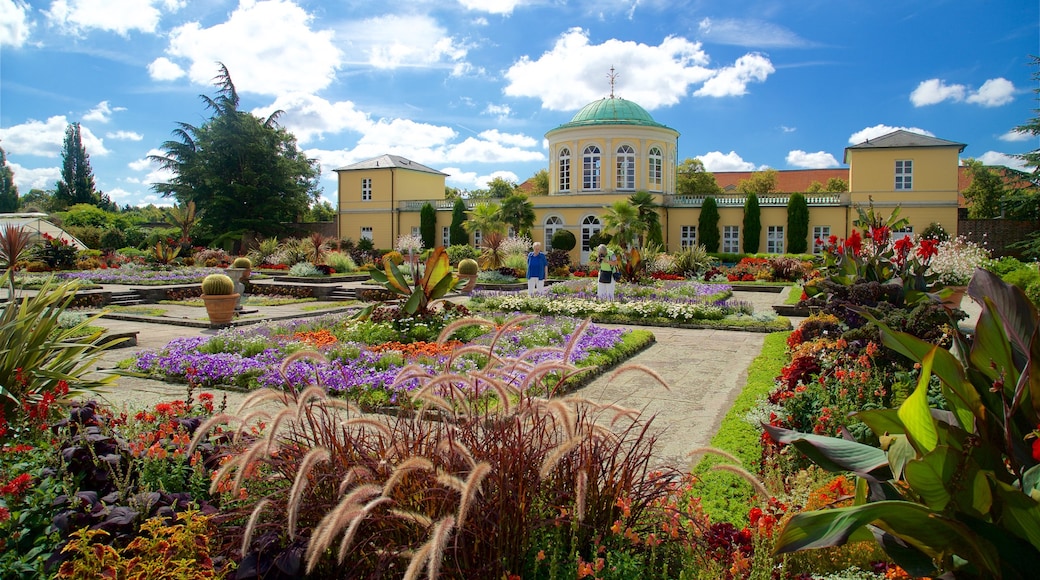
(613, 77)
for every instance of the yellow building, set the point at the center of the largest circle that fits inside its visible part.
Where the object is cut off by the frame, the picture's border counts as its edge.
(613, 148)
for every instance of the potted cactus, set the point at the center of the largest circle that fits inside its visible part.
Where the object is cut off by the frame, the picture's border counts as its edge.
(468, 269)
(218, 292)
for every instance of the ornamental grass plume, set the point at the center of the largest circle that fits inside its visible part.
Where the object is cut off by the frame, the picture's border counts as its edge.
(464, 487)
(409, 243)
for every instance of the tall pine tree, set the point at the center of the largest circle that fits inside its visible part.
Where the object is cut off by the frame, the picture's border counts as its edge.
(77, 178)
(8, 190)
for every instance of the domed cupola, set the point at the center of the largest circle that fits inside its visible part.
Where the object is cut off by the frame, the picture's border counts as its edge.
(611, 111)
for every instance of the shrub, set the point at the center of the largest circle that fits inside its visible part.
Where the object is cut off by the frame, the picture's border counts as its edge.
(341, 262)
(557, 259)
(304, 270)
(563, 240)
(89, 235)
(457, 253)
(113, 238)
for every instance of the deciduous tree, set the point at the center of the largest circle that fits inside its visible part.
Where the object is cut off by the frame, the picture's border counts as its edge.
(760, 183)
(541, 182)
(985, 191)
(692, 179)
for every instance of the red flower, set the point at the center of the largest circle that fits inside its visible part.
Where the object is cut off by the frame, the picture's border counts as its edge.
(17, 486)
(927, 248)
(880, 236)
(4, 514)
(1036, 449)
(854, 243)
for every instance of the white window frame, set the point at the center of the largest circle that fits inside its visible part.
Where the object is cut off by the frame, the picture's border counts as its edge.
(366, 233)
(687, 236)
(626, 168)
(366, 189)
(655, 172)
(591, 159)
(904, 232)
(904, 175)
(820, 233)
(477, 238)
(731, 239)
(565, 169)
(445, 236)
(553, 224)
(774, 239)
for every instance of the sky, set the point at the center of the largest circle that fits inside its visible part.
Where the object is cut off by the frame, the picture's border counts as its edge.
(470, 87)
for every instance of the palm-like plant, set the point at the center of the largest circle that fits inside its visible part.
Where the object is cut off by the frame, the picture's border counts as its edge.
(318, 247)
(263, 251)
(518, 212)
(646, 207)
(14, 241)
(621, 221)
(436, 281)
(183, 216)
(486, 219)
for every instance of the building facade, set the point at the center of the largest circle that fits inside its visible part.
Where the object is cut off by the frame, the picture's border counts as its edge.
(613, 148)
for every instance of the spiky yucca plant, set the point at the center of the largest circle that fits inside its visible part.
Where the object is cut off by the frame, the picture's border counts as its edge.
(464, 488)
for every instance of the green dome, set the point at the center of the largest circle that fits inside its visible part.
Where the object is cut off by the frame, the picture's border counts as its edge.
(611, 111)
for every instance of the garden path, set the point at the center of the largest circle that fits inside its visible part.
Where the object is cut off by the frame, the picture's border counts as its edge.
(705, 370)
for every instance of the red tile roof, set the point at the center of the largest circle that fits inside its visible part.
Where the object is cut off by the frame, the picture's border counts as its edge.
(787, 181)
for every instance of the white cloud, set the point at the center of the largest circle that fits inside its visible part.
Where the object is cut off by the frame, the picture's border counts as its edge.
(492, 6)
(119, 194)
(119, 16)
(102, 113)
(164, 69)
(390, 42)
(879, 130)
(818, 160)
(14, 22)
(474, 150)
(733, 80)
(395, 132)
(310, 117)
(994, 93)
(37, 178)
(997, 158)
(124, 136)
(268, 47)
(934, 91)
(653, 76)
(46, 139)
(518, 139)
(472, 180)
(500, 112)
(787, 129)
(1015, 136)
(715, 161)
(750, 32)
(145, 163)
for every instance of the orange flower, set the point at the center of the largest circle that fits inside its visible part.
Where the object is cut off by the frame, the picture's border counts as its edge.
(317, 338)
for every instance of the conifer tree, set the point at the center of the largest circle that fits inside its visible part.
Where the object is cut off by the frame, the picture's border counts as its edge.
(708, 224)
(8, 190)
(456, 233)
(76, 184)
(428, 225)
(752, 224)
(797, 224)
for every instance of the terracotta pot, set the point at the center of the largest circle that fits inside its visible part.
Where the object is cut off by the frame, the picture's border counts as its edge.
(953, 300)
(220, 308)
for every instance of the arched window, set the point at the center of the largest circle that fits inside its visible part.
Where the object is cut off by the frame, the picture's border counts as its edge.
(655, 162)
(553, 224)
(626, 168)
(590, 176)
(589, 226)
(565, 169)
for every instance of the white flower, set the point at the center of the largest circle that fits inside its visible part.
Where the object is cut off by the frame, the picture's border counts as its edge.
(955, 261)
(410, 243)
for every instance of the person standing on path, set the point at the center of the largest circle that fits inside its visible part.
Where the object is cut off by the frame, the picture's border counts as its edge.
(608, 264)
(536, 264)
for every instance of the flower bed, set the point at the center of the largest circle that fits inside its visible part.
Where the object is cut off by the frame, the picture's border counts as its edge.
(139, 275)
(360, 359)
(663, 302)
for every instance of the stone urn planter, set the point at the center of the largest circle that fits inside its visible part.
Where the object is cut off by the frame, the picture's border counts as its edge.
(239, 273)
(468, 269)
(220, 298)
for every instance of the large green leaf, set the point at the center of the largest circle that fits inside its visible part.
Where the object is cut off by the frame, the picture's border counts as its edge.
(1020, 513)
(918, 526)
(991, 352)
(961, 395)
(1015, 310)
(881, 421)
(930, 476)
(835, 454)
(915, 414)
(900, 452)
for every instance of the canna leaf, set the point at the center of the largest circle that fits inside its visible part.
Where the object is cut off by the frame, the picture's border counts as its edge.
(835, 454)
(914, 412)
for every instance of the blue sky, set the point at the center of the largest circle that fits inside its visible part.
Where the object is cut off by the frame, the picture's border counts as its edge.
(470, 87)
